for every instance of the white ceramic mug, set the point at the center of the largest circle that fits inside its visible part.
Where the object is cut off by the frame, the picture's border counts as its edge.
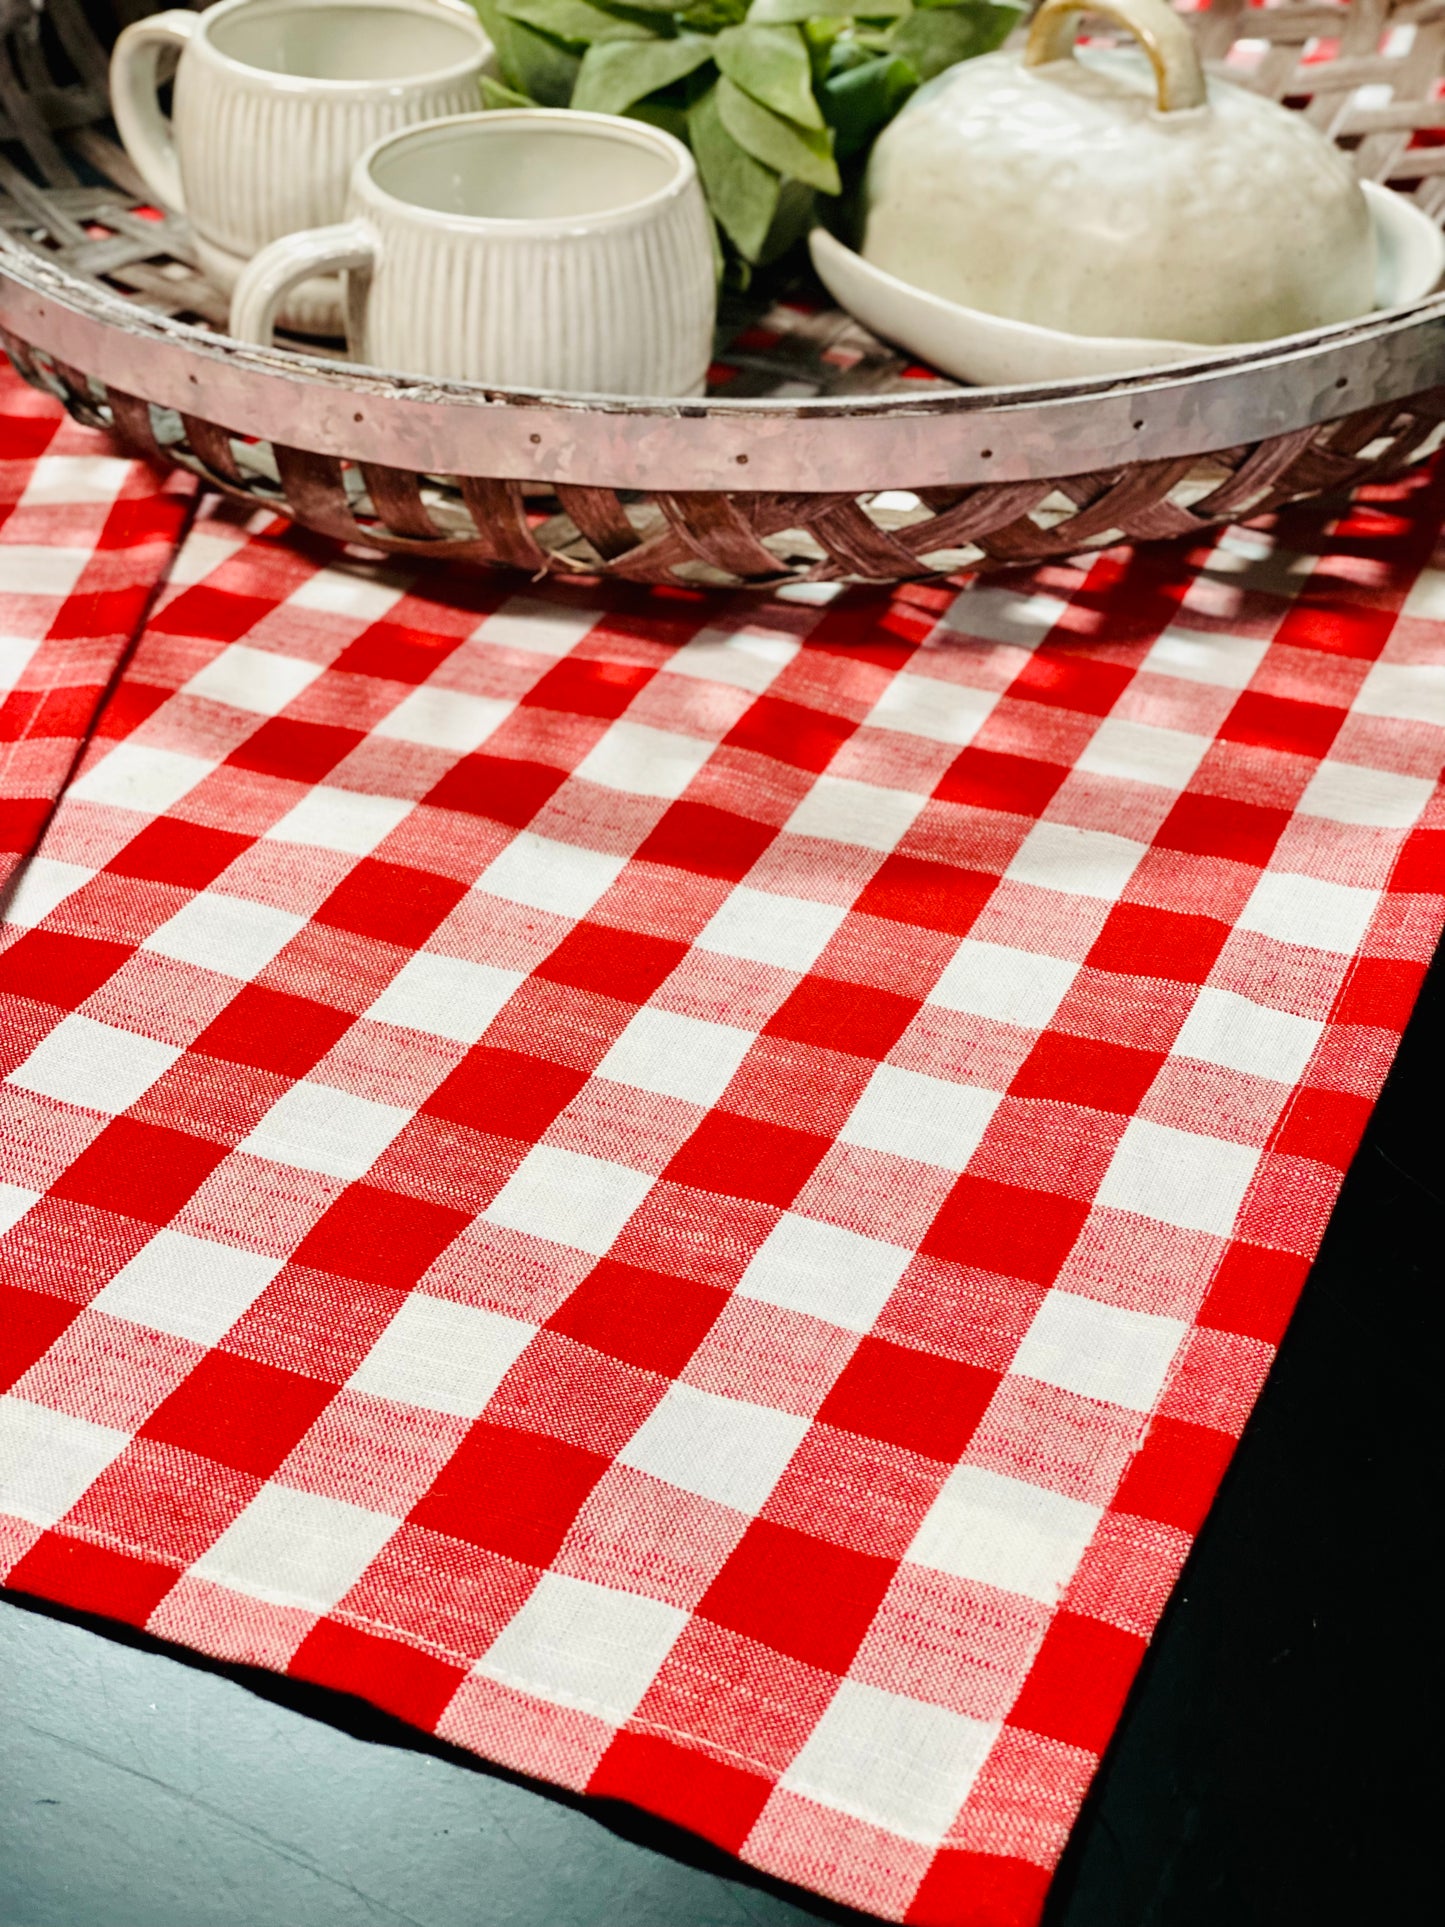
(274, 100)
(524, 248)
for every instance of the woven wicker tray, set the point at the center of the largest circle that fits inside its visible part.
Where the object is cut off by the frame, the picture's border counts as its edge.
(819, 453)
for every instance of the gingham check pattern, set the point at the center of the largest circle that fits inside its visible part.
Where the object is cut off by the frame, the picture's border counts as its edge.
(692, 1195)
(85, 536)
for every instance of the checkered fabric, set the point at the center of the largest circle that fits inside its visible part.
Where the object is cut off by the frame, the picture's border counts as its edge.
(692, 1194)
(85, 537)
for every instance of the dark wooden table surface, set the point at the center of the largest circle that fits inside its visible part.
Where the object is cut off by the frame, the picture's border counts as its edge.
(1271, 1768)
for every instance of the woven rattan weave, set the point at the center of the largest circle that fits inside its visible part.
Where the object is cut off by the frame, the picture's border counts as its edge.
(818, 453)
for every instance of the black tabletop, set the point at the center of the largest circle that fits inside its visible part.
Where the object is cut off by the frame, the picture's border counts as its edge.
(1271, 1766)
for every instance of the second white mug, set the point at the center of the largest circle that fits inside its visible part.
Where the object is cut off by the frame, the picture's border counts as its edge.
(274, 100)
(525, 248)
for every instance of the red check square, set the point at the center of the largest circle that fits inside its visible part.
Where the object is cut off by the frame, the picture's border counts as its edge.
(744, 1157)
(583, 687)
(915, 1399)
(800, 1595)
(1082, 1070)
(1003, 1228)
(790, 733)
(391, 902)
(139, 1170)
(273, 1031)
(512, 1492)
(189, 855)
(239, 1412)
(937, 896)
(58, 969)
(618, 963)
(707, 841)
(505, 1092)
(644, 1317)
(299, 752)
(501, 788)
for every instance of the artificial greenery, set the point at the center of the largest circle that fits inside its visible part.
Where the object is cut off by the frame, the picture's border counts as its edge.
(779, 100)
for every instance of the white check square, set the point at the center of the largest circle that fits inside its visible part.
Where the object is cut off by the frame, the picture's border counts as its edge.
(569, 1199)
(1084, 863)
(720, 1448)
(643, 761)
(336, 819)
(442, 1356)
(538, 628)
(821, 1269)
(677, 1056)
(1427, 596)
(894, 1762)
(66, 480)
(1378, 798)
(1143, 753)
(1197, 1183)
(295, 1548)
(446, 996)
(944, 712)
(28, 569)
(585, 1646)
(233, 936)
(791, 932)
(1413, 691)
(188, 1286)
(841, 811)
(999, 615)
(316, 1127)
(1222, 1028)
(546, 875)
(1228, 662)
(1004, 1532)
(364, 594)
(1309, 912)
(1020, 987)
(43, 886)
(15, 1201)
(750, 659)
(47, 1459)
(253, 679)
(925, 1118)
(93, 1065)
(1106, 1352)
(444, 719)
(138, 776)
(15, 655)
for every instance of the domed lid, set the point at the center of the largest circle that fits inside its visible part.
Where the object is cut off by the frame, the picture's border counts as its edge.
(1098, 197)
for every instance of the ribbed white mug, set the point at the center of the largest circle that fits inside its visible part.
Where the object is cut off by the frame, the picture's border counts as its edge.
(274, 101)
(524, 248)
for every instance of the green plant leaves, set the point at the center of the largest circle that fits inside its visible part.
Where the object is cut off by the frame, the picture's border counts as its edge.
(804, 153)
(771, 64)
(769, 94)
(616, 74)
(861, 100)
(789, 12)
(741, 191)
(495, 95)
(574, 21)
(936, 37)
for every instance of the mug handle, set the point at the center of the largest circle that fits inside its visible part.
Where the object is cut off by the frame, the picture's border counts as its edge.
(268, 277)
(1153, 23)
(145, 132)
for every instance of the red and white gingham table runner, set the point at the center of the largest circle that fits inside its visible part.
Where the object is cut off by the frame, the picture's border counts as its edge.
(692, 1194)
(85, 537)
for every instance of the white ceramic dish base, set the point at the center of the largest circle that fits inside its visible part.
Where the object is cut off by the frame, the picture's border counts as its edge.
(992, 351)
